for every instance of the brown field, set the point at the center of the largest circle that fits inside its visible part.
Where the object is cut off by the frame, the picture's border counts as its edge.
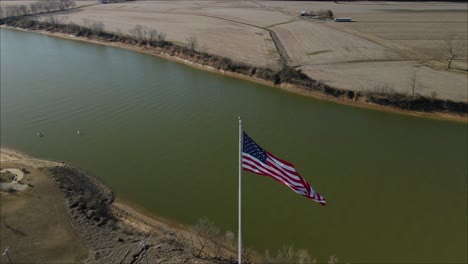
(314, 43)
(392, 76)
(239, 41)
(387, 43)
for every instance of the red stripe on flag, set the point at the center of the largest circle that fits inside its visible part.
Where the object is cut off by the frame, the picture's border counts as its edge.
(270, 170)
(280, 170)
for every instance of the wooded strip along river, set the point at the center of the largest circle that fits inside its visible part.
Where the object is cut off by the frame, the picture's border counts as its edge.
(164, 136)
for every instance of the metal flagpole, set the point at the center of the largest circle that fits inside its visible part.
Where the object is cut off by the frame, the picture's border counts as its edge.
(240, 189)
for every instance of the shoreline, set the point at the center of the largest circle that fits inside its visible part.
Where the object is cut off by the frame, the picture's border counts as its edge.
(9, 155)
(296, 89)
(107, 225)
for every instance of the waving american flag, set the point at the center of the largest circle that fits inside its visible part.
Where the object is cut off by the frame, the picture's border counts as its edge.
(257, 160)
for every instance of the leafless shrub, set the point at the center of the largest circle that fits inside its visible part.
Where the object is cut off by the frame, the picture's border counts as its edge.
(286, 254)
(230, 239)
(333, 259)
(247, 254)
(206, 231)
(303, 257)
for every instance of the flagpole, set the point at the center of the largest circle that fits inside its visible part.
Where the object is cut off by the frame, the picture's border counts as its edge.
(240, 192)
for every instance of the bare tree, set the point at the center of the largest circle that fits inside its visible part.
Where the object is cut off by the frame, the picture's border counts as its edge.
(413, 82)
(303, 256)
(94, 25)
(206, 232)
(192, 42)
(53, 20)
(23, 10)
(161, 37)
(286, 254)
(152, 36)
(13, 11)
(66, 4)
(97, 26)
(35, 8)
(453, 51)
(137, 32)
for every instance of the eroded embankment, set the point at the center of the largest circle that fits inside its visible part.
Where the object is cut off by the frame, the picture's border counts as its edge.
(285, 77)
(114, 235)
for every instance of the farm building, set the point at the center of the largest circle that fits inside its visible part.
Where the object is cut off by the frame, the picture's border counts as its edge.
(343, 19)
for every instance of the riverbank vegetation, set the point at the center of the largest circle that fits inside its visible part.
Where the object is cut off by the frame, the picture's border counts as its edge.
(286, 75)
(39, 7)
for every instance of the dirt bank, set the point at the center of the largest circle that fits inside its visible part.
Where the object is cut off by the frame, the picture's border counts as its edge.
(87, 223)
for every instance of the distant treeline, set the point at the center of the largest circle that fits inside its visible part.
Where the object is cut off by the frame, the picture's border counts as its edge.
(39, 7)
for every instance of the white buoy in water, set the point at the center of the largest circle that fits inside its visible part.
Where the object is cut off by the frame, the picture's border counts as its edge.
(79, 132)
(40, 134)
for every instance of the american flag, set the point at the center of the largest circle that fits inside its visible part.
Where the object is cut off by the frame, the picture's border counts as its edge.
(259, 161)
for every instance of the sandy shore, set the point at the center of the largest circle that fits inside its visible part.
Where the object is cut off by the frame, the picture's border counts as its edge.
(109, 231)
(463, 118)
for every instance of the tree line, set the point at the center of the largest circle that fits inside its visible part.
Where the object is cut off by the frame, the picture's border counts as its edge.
(38, 7)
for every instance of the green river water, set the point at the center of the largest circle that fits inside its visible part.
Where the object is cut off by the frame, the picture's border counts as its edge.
(164, 136)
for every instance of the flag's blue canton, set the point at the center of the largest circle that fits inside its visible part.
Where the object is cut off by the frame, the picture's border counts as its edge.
(251, 148)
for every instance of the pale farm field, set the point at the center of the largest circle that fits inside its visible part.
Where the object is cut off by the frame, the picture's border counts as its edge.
(314, 43)
(387, 42)
(20, 2)
(387, 76)
(243, 43)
